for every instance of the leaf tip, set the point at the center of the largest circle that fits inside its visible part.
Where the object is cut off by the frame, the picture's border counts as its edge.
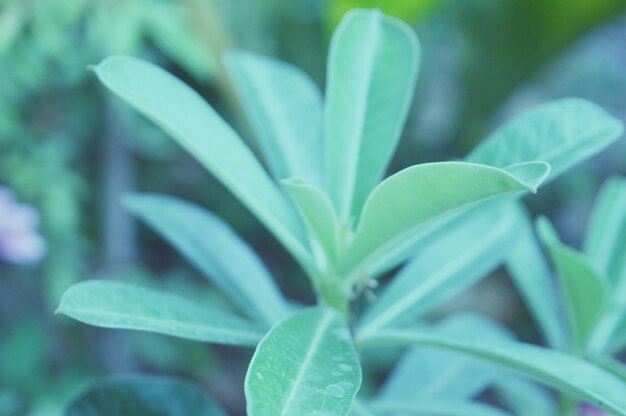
(530, 174)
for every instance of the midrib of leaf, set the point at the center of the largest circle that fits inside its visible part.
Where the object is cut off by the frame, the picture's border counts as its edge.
(347, 196)
(163, 324)
(407, 301)
(315, 341)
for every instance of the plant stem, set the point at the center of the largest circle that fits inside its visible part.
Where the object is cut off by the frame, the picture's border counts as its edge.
(335, 295)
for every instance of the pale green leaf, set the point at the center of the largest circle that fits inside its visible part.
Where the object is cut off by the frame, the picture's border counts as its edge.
(563, 133)
(617, 341)
(120, 305)
(614, 366)
(529, 271)
(213, 247)
(142, 395)
(184, 114)
(414, 197)
(285, 108)
(425, 373)
(568, 374)
(524, 398)
(605, 242)
(318, 213)
(372, 68)
(444, 268)
(305, 365)
(440, 407)
(585, 293)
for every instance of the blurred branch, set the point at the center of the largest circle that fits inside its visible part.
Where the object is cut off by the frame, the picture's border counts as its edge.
(118, 176)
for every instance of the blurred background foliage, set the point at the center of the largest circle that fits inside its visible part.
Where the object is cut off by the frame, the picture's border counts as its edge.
(70, 150)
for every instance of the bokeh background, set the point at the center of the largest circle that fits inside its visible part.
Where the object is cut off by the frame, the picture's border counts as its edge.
(69, 150)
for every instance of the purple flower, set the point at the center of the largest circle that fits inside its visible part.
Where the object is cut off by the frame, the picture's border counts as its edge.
(589, 410)
(19, 241)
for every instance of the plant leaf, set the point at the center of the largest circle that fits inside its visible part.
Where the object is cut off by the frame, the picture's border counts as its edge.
(563, 133)
(444, 268)
(563, 372)
(529, 271)
(605, 243)
(305, 365)
(436, 407)
(189, 120)
(120, 305)
(212, 246)
(372, 69)
(415, 196)
(613, 366)
(425, 374)
(318, 213)
(142, 395)
(285, 108)
(584, 290)
(617, 342)
(523, 397)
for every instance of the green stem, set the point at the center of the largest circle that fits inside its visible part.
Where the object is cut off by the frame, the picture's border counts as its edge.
(335, 295)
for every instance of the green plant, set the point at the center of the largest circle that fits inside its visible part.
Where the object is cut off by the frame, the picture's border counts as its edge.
(346, 227)
(593, 283)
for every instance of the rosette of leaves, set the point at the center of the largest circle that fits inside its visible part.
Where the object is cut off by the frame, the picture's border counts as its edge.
(325, 199)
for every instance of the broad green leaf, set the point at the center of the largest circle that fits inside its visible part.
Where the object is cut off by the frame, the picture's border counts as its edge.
(563, 133)
(524, 398)
(213, 247)
(566, 373)
(529, 271)
(285, 108)
(142, 395)
(425, 374)
(184, 114)
(318, 213)
(414, 197)
(120, 305)
(305, 365)
(440, 407)
(372, 68)
(444, 268)
(585, 294)
(605, 242)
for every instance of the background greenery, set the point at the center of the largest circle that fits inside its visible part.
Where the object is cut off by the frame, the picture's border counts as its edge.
(71, 150)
